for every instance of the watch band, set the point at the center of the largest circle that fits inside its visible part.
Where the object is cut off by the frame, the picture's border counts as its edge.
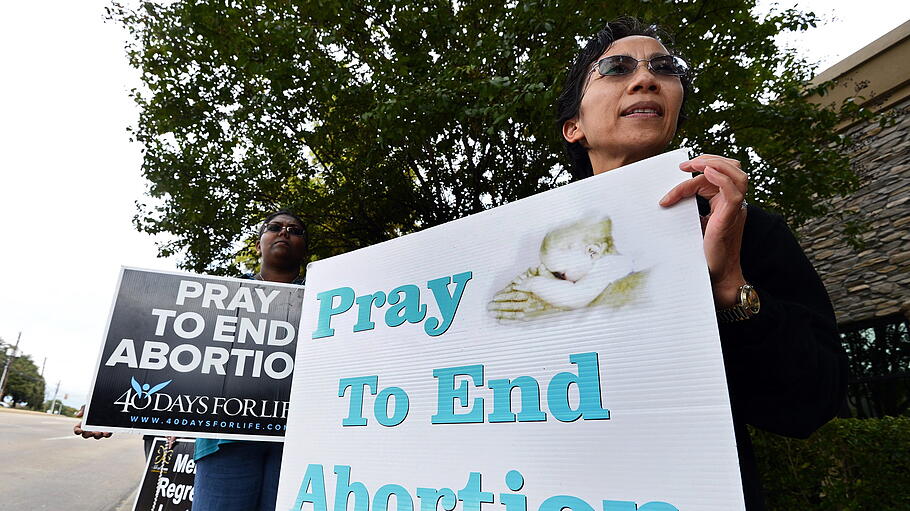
(733, 314)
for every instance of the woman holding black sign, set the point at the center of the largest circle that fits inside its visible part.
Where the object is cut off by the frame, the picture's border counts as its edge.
(622, 102)
(240, 475)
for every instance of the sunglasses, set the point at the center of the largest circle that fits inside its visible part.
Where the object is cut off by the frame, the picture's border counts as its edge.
(620, 65)
(294, 230)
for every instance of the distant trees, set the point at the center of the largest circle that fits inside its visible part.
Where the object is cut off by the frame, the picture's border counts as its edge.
(58, 405)
(24, 382)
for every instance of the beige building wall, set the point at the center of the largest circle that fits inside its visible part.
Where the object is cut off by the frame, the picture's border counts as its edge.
(877, 76)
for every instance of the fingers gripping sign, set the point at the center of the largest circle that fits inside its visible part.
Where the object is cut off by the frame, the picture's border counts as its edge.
(724, 184)
(78, 431)
(97, 435)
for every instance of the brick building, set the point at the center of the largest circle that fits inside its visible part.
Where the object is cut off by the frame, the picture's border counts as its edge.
(870, 285)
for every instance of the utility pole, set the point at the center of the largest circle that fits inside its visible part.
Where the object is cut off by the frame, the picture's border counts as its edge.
(9, 360)
(54, 399)
(42, 366)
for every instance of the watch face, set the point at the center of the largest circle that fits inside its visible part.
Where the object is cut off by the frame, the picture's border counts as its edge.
(750, 299)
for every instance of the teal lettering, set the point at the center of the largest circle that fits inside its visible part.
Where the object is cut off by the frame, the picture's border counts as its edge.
(560, 502)
(447, 303)
(313, 478)
(381, 406)
(327, 309)
(657, 506)
(514, 502)
(530, 400)
(355, 406)
(405, 306)
(430, 498)
(471, 494)
(447, 394)
(403, 499)
(344, 488)
(365, 306)
(588, 382)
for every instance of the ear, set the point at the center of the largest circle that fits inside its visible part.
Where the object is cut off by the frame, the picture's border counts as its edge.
(258, 249)
(572, 130)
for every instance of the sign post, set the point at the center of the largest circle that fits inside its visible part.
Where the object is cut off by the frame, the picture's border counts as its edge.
(557, 352)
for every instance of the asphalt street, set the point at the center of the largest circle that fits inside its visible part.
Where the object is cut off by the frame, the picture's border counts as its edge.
(43, 465)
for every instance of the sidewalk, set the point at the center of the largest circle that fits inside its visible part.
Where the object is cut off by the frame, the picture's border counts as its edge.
(22, 410)
(127, 503)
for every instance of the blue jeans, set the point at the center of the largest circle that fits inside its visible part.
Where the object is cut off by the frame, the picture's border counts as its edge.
(241, 476)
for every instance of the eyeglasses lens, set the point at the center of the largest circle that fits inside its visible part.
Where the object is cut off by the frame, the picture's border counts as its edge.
(292, 229)
(670, 65)
(618, 65)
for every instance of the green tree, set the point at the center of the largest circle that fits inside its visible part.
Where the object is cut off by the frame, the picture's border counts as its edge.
(24, 383)
(378, 118)
(58, 405)
(879, 360)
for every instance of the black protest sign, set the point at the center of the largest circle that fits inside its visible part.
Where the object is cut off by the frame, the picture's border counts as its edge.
(195, 355)
(167, 483)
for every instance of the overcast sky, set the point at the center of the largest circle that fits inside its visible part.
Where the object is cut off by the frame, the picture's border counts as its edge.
(69, 176)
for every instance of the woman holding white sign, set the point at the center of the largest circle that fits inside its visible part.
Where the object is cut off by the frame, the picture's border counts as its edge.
(622, 102)
(243, 476)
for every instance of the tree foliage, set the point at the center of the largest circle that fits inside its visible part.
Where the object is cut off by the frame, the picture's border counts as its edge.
(848, 464)
(879, 358)
(374, 119)
(60, 408)
(24, 383)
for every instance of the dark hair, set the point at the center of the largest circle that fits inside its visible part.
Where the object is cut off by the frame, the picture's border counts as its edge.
(569, 102)
(271, 216)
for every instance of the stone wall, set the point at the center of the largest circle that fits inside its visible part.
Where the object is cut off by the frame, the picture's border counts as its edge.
(873, 281)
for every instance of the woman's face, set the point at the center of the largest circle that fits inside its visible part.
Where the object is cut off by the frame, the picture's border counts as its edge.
(282, 248)
(627, 118)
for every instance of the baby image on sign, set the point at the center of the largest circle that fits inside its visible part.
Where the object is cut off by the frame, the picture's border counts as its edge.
(561, 351)
(580, 267)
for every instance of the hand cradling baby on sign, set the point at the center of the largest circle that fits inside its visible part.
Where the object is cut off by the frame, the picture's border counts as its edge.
(580, 267)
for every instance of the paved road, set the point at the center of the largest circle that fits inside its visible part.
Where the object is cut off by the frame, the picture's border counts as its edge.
(44, 466)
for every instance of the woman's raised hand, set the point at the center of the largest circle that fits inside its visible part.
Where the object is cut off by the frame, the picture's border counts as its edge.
(724, 184)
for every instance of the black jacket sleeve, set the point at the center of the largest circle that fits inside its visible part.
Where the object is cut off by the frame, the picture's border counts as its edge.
(786, 367)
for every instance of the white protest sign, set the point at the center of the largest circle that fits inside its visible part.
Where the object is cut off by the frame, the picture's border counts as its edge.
(557, 352)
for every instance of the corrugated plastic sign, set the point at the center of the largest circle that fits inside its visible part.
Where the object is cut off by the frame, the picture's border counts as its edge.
(558, 352)
(196, 355)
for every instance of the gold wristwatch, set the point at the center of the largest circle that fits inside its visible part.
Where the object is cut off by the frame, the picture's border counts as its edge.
(747, 305)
